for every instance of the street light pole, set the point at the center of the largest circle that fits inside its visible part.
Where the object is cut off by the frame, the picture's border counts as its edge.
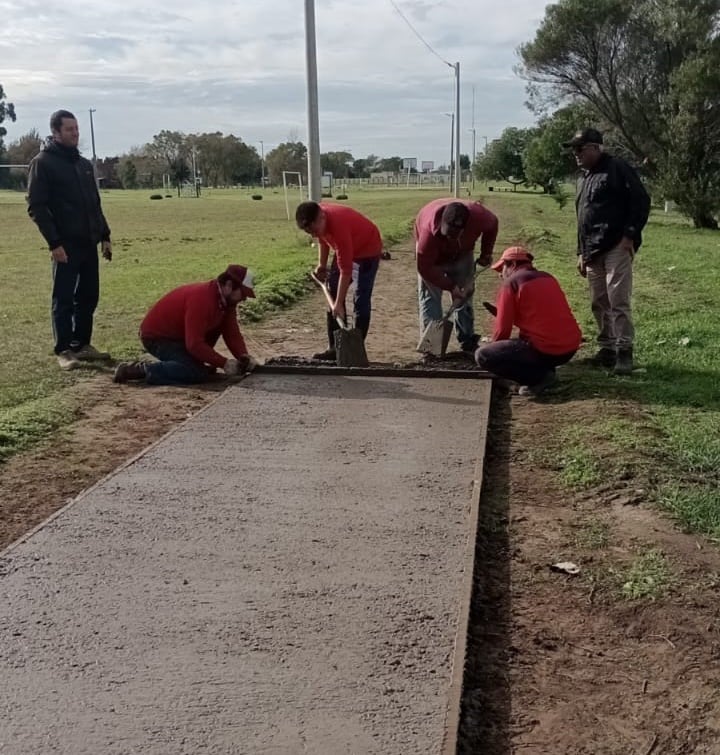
(457, 130)
(92, 141)
(314, 170)
(472, 165)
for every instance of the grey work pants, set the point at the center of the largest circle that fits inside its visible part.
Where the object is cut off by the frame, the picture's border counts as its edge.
(610, 277)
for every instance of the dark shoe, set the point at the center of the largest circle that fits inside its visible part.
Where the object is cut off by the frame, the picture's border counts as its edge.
(67, 360)
(624, 362)
(88, 353)
(470, 346)
(539, 388)
(604, 358)
(329, 355)
(126, 371)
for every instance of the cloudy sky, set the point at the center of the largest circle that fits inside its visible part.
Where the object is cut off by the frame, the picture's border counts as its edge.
(239, 67)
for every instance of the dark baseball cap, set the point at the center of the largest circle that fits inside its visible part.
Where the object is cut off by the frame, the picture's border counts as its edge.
(454, 219)
(583, 137)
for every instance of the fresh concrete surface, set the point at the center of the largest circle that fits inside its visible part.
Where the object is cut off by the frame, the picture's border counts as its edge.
(283, 574)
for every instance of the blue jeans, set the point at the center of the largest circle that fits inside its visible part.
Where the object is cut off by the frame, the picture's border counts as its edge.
(363, 278)
(176, 366)
(517, 360)
(430, 302)
(75, 295)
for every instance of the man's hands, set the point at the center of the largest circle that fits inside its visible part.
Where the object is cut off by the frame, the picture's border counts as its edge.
(338, 310)
(59, 254)
(240, 366)
(321, 273)
(581, 266)
(483, 260)
(106, 247)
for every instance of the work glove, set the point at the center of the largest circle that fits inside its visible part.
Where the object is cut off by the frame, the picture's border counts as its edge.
(247, 363)
(106, 247)
(483, 260)
(233, 367)
(491, 308)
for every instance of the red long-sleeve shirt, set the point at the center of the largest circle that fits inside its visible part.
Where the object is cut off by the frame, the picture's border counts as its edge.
(534, 302)
(197, 314)
(350, 234)
(434, 250)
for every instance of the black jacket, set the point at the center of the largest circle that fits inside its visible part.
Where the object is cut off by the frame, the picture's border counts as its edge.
(63, 198)
(611, 203)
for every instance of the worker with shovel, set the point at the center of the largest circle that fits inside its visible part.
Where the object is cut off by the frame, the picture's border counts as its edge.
(446, 232)
(549, 335)
(357, 247)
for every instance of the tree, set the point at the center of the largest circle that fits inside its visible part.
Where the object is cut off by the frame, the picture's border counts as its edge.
(286, 156)
(625, 59)
(173, 149)
(464, 162)
(389, 165)
(545, 161)
(20, 152)
(338, 163)
(503, 159)
(7, 111)
(128, 174)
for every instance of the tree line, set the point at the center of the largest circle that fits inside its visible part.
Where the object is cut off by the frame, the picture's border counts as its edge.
(647, 74)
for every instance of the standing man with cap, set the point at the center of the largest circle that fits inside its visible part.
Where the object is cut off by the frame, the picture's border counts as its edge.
(64, 202)
(549, 335)
(181, 330)
(612, 210)
(358, 248)
(446, 231)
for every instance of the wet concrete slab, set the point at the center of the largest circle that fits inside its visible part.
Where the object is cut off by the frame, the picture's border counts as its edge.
(287, 572)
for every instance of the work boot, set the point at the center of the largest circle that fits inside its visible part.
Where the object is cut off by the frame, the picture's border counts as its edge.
(363, 325)
(624, 362)
(470, 345)
(88, 353)
(67, 360)
(329, 354)
(127, 371)
(539, 388)
(604, 357)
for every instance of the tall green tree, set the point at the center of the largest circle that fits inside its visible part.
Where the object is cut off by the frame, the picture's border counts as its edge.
(340, 164)
(545, 162)
(286, 156)
(503, 159)
(7, 112)
(624, 58)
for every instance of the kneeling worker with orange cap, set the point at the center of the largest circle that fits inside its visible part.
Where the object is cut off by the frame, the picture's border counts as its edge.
(548, 334)
(181, 330)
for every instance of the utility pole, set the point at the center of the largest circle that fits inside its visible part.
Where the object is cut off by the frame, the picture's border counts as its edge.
(472, 165)
(314, 170)
(457, 130)
(452, 149)
(92, 141)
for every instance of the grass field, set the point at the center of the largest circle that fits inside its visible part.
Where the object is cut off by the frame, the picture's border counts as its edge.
(662, 425)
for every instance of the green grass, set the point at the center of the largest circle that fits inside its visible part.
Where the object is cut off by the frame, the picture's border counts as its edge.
(649, 577)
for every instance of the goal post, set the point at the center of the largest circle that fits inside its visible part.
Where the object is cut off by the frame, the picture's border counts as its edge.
(285, 174)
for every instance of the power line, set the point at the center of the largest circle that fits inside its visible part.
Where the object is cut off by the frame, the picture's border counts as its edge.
(418, 35)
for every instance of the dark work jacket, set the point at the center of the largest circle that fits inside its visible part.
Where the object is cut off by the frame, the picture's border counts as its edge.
(63, 198)
(611, 203)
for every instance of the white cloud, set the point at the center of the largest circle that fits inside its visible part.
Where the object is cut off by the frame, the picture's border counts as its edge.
(240, 67)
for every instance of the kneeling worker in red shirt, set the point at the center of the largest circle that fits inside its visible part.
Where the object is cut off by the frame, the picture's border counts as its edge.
(548, 332)
(181, 331)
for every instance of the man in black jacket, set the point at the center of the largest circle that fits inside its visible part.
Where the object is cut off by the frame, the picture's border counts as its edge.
(64, 202)
(612, 210)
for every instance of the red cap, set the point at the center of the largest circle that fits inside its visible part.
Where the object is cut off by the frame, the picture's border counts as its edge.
(513, 254)
(243, 278)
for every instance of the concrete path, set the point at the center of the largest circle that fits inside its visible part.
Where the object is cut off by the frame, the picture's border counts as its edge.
(285, 573)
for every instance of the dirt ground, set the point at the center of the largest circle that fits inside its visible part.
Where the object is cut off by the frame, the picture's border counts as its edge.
(557, 664)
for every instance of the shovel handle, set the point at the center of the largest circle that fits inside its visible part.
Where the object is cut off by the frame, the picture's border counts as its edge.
(330, 302)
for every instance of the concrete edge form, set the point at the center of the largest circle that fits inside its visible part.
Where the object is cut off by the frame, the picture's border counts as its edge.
(455, 691)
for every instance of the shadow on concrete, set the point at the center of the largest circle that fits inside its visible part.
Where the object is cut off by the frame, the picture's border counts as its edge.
(364, 389)
(486, 706)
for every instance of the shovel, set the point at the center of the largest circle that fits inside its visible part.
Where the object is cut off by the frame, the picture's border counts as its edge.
(436, 336)
(349, 342)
